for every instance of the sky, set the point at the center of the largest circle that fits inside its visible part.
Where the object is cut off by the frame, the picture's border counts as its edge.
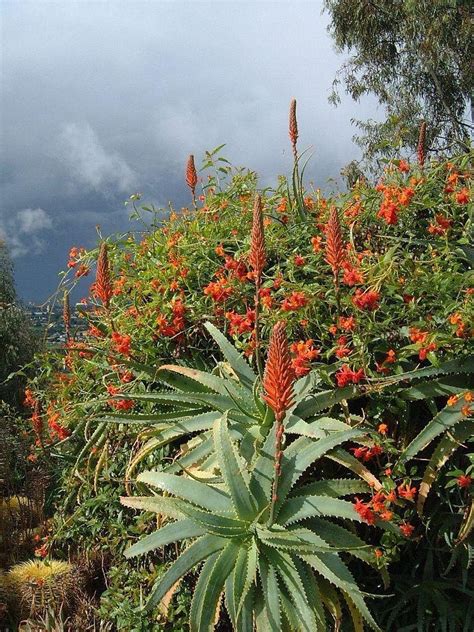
(103, 99)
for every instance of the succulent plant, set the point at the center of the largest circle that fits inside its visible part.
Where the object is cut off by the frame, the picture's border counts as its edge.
(40, 586)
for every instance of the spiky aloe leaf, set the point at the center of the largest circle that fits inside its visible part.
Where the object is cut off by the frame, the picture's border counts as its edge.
(302, 507)
(148, 420)
(205, 400)
(157, 504)
(207, 497)
(302, 453)
(234, 471)
(261, 477)
(173, 532)
(313, 592)
(339, 455)
(445, 448)
(292, 539)
(193, 453)
(330, 566)
(340, 537)
(290, 577)
(332, 487)
(206, 599)
(446, 418)
(271, 594)
(331, 601)
(208, 380)
(324, 400)
(233, 357)
(200, 550)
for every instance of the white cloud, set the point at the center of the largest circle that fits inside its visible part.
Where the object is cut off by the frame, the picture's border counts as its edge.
(90, 164)
(33, 220)
(21, 231)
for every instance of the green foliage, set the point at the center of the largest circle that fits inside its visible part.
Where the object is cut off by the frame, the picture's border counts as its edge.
(17, 342)
(415, 57)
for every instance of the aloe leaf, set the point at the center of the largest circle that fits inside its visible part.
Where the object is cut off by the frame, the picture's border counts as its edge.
(445, 448)
(339, 455)
(314, 428)
(200, 587)
(233, 470)
(208, 380)
(149, 420)
(262, 472)
(331, 601)
(295, 539)
(334, 570)
(313, 593)
(332, 487)
(193, 455)
(200, 494)
(177, 379)
(156, 504)
(302, 453)
(194, 554)
(206, 400)
(216, 524)
(249, 577)
(324, 400)
(301, 507)
(340, 537)
(288, 572)
(233, 357)
(446, 418)
(203, 615)
(168, 534)
(271, 594)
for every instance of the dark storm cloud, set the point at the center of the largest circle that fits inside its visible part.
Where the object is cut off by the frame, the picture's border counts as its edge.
(102, 99)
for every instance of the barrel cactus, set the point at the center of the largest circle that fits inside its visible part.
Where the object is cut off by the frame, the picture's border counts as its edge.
(41, 586)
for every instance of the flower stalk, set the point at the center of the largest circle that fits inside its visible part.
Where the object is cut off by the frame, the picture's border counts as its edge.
(191, 177)
(335, 250)
(103, 283)
(278, 383)
(257, 260)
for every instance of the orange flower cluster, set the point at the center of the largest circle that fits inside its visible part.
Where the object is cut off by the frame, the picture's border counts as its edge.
(342, 350)
(74, 254)
(266, 299)
(365, 453)
(456, 319)
(279, 376)
(240, 324)
(53, 423)
(305, 353)
(295, 301)
(177, 324)
(393, 198)
(118, 404)
(440, 226)
(366, 300)
(376, 508)
(121, 343)
(352, 276)
(420, 337)
(334, 248)
(219, 290)
(102, 288)
(346, 376)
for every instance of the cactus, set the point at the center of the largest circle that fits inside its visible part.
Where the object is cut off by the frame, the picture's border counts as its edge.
(40, 586)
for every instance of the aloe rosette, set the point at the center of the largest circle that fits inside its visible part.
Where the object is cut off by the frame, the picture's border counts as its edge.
(274, 576)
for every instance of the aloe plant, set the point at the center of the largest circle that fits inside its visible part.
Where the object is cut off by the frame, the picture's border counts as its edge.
(275, 575)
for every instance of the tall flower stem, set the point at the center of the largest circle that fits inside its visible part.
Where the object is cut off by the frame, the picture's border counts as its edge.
(278, 382)
(257, 260)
